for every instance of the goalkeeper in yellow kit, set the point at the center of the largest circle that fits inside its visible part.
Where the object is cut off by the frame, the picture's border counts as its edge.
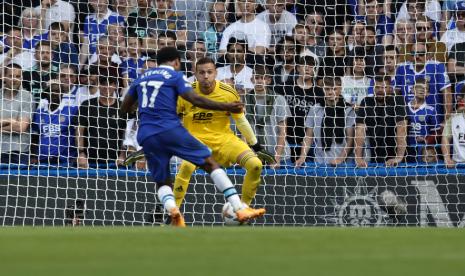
(213, 129)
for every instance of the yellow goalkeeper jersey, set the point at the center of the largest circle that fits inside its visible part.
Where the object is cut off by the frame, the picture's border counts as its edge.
(209, 126)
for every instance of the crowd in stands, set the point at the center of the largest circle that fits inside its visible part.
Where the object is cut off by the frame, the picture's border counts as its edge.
(324, 81)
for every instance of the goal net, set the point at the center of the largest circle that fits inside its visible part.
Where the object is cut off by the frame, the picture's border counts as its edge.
(360, 102)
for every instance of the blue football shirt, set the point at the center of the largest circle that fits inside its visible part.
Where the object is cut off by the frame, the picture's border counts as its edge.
(157, 92)
(435, 74)
(422, 122)
(94, 28)
(133, 67)
(56, 129)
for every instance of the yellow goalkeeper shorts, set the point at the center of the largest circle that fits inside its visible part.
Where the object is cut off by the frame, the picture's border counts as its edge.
(226, 154)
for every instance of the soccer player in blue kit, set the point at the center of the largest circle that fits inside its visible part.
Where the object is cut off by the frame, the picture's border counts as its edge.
(162, 135)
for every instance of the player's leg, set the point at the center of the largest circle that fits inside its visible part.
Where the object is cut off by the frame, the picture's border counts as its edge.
(237, 151)
(158, 159)
(223, 184)
(181, 182)
(197, 153)
(253, 166)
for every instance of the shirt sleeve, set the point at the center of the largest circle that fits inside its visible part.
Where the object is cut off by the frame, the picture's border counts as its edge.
(389, 26)
(432, 122)
(262, 37)
(310, 119)
(225, 39)
(182, 84)
(400, 109)
(70, 14)
(447, 132)
(86, 26)
(282, 109)
(27, 105)
(83, 116)
(442, 79)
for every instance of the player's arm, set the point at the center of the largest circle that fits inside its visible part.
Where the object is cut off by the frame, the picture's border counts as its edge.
(246, 130)
(129, 105)
(203, 102)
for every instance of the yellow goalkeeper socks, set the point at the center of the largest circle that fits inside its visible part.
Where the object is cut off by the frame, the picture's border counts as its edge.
(181, 182)
(254, 166)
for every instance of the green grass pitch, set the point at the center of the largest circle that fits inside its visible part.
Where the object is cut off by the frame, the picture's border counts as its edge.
(232, 251)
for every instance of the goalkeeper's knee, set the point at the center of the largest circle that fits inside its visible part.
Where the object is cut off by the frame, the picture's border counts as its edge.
(253, 164)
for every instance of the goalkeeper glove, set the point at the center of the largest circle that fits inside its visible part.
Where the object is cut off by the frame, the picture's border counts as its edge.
(263, 155)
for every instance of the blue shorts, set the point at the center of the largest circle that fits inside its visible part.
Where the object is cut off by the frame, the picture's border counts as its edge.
(160, 147)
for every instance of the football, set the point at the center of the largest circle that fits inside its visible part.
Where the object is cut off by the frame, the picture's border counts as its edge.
(229, 216)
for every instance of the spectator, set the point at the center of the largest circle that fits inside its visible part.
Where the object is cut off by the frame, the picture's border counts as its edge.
(280, 22)
(301, 35)
(287, 53)
(335, 61)
(150, 61)
(304, 41)
(456, 63)
(123, 7)
(237, 73)
(330, 126)
(95, 26)
(89, 88)
(422, 123)
(383, 120)
(404, 34)
(36, 79)
(63, 51)
(425, 34)
(314, 21)
(440, 96)
(117, 37)
(454, 130)
(412, 9)
(53, 127)
(14, 52)
(387, 68)
(56, 11)
(138, 19)
(357, 37)
(457, 35)
(196, 12)
(168, 20)
(448, 14)
(337, 14)
(255, 32)
(100, 138)
(214, 33)
(68, 79)
(106, 58)
(372, 50)
(195, 52)
(267, 112)
(374, 10)
(355, 83)
(133, 66)
(30, 28)
(301, 94)
(15, 117)
(166, 39)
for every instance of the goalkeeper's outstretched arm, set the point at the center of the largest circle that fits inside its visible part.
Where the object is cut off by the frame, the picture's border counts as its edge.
(246, 130)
